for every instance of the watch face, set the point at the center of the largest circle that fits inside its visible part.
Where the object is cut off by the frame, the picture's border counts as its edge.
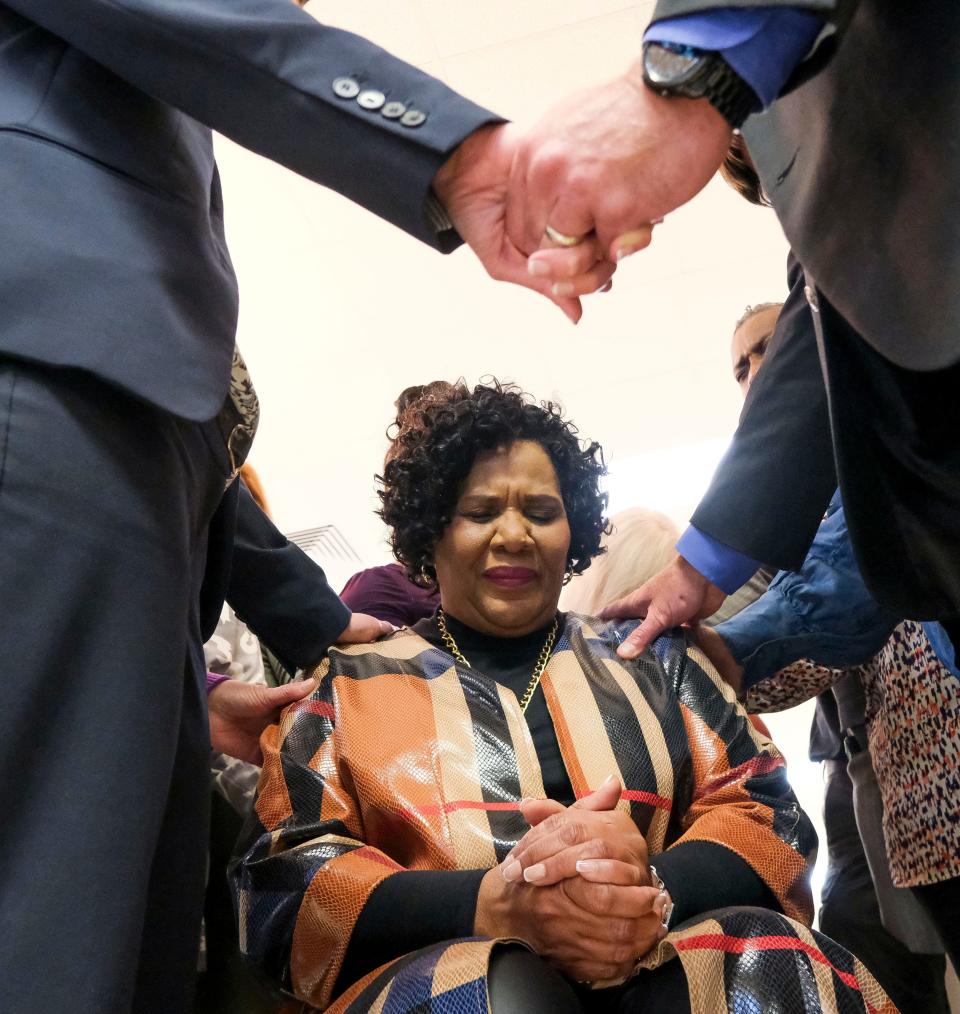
(669, 66)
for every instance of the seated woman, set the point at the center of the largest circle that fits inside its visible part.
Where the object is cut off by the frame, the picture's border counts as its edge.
(496, 774)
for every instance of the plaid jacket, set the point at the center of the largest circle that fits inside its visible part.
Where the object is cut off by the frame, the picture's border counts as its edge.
(403, 760)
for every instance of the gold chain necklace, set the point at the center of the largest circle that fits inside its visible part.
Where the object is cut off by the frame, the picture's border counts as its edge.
(538, 670)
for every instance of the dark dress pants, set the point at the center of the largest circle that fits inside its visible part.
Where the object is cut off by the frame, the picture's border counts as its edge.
(104, 509)
(850, 911)
(942, 902)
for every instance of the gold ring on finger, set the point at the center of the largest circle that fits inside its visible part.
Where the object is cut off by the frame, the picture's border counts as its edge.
(561, 238)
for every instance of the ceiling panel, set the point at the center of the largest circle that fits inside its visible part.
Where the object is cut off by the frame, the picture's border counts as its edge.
(461, 27)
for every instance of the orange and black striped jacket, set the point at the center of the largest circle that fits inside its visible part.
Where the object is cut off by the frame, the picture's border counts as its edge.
(403, 760)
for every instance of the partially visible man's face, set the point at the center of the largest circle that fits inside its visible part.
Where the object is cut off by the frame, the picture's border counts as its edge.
(749, 345)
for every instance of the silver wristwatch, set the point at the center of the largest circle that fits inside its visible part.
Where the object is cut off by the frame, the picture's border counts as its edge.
(686, 72)
(662, 888)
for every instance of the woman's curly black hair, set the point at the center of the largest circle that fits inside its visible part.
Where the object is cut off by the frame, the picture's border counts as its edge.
(436, 443)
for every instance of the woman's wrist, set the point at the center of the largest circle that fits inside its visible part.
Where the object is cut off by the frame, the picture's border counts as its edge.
(493, 909)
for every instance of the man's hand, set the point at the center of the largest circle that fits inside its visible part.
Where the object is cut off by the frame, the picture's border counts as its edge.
(472, 186)
(240, 711)
(611, 160)
(363, 628)
(678, 594)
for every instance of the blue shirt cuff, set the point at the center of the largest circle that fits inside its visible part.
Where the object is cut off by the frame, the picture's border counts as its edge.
(763, 44)
(942, 645)
(727, 568)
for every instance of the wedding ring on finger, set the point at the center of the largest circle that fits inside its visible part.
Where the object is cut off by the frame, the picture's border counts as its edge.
(561, 238)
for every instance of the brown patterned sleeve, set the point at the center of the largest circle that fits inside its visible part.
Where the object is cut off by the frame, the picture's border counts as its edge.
(794, 684)
(741, 797)
(305, 873)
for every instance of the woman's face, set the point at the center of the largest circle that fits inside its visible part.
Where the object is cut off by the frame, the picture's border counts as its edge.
(501, 561)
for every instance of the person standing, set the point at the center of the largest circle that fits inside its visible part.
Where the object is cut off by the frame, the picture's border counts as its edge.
(858, 899)
(845, 122)
(125, 412)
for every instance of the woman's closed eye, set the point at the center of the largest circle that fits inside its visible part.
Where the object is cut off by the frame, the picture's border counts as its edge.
(543, 517)
(543, 509)
(479, 508)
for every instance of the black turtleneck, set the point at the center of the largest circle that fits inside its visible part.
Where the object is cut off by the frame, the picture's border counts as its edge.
(510, 661)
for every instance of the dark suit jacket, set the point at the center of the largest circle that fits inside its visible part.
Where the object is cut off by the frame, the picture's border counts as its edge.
(769, 492)
(859, 162)
(112, 252)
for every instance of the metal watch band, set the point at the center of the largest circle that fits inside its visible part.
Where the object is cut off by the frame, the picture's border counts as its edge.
(709, 77)
(729, 94)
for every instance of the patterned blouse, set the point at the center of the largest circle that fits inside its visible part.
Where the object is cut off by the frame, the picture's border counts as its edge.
(913, 729)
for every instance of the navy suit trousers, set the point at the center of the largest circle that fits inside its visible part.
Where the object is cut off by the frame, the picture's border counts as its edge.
(105, 504)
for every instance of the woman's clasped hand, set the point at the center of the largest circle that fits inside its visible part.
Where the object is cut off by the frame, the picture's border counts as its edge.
(577, 888)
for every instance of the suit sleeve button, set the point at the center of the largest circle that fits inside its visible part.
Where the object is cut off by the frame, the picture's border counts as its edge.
(413, 118)
(345, 88)
(393, 110)
(371, 99)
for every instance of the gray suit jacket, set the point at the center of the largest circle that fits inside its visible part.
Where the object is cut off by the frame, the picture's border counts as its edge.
(861, 163)
(112, 252)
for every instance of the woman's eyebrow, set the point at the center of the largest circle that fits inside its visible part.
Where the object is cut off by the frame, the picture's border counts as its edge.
(475, 499)
(542, 500)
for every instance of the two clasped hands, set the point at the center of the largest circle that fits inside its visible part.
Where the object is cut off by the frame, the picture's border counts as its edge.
(577, 888)
(555, 208)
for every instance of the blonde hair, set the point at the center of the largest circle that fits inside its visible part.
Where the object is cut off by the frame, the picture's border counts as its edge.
(640, 545)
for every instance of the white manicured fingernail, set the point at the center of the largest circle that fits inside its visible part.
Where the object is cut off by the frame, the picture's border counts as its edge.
(511, 871)
(538, 268)
(534, 873)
